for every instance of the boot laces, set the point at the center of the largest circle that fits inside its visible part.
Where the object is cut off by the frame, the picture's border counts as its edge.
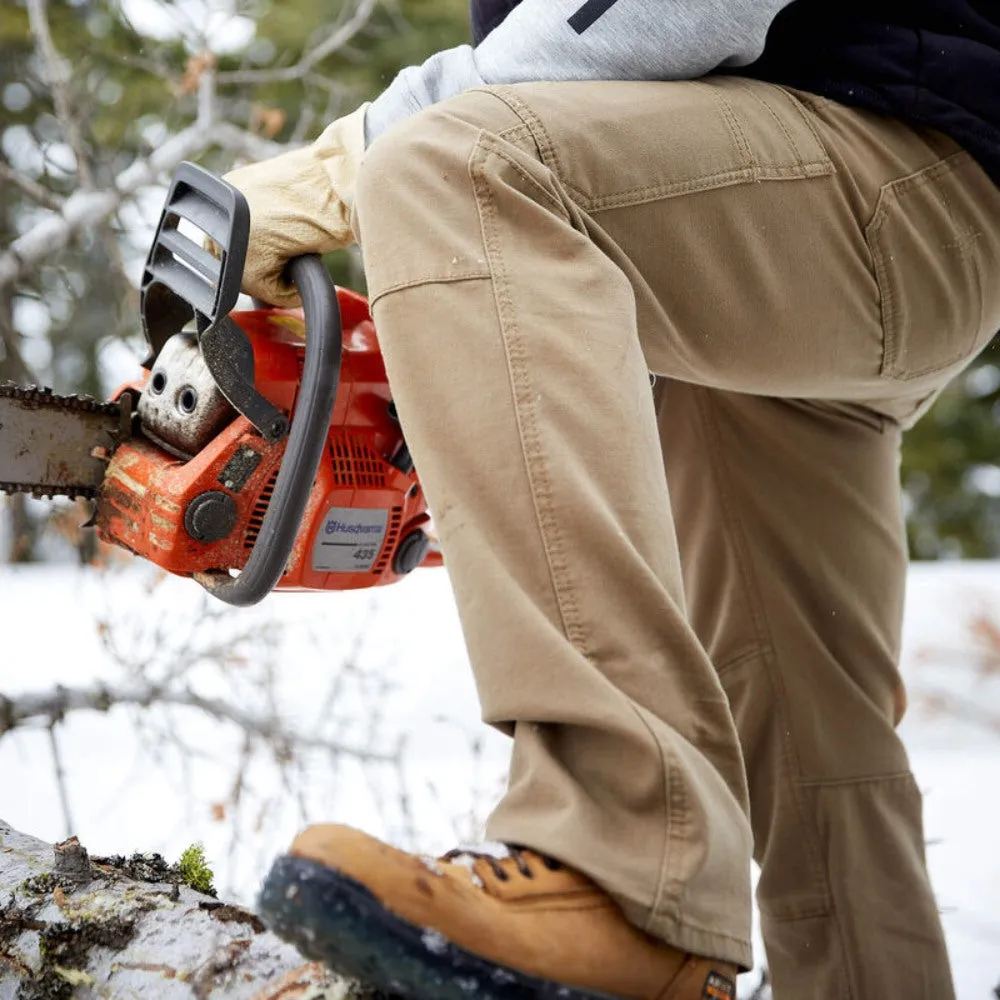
(495, 854)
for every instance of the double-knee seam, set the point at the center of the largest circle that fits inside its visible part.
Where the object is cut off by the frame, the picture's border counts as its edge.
(864, 779)
(740, 659)
(399, 286)
(789, 758)
(521, 395)
(768, 653)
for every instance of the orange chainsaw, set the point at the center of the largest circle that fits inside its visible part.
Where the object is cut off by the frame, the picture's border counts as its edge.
(258, 450)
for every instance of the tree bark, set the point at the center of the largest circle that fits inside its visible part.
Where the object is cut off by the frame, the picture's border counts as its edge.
(76, 927)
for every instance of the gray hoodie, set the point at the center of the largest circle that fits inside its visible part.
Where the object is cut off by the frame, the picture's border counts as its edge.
(631, 40)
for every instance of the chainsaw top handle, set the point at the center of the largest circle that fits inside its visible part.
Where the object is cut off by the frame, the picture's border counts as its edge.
(183, 281)
(306, 441)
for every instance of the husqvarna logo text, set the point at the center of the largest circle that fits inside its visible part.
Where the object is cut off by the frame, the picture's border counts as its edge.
(343, 527)
(350, 539)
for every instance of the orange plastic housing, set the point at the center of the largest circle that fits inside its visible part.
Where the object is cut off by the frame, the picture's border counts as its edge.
(361, 509)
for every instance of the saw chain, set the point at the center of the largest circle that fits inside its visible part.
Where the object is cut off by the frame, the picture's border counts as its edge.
(53, 445)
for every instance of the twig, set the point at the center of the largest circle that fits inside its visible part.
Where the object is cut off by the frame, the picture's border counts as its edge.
(11, 361)
(60, 779)
(336, 40)
(55, 704)
(35, 191)
(57, 78)
(206, 98)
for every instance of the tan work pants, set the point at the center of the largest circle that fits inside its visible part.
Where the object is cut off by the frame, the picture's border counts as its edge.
(801, 278)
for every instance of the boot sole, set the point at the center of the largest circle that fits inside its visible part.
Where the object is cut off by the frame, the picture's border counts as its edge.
(335, 920)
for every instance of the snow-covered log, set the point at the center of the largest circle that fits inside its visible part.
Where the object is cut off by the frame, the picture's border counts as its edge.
(73, 926)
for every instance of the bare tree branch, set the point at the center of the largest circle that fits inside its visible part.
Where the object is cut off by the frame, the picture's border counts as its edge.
(36, 192)
(56, 76)
(53, 705)
(206, 97)
(86, 208)
(91, 206)
(336, 40)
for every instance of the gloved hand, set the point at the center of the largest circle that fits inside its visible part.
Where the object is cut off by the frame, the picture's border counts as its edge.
(300, 202)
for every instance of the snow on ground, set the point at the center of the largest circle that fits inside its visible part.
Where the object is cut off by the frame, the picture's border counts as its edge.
(163, 784)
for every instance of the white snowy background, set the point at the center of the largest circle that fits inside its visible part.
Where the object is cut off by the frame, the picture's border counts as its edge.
(165, 778)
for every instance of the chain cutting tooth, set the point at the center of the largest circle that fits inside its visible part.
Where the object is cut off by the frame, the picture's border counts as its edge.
(44, 398)
(45, 395)
(39, 491)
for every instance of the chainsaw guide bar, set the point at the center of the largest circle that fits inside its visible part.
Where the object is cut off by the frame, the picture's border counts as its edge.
(55, 446)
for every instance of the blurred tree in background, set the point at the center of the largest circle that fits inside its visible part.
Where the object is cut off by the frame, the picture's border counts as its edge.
(93, 93)
(951, 468)
(101, 95)
(125, 92)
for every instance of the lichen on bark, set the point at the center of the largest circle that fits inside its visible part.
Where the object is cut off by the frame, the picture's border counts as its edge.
(128, 927)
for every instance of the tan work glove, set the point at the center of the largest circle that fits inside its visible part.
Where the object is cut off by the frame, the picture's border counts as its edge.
(300, 202)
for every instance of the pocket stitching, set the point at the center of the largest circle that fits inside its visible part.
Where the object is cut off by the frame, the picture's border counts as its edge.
(485, 142)
(708, 182)
(735, 129)
(789, 138)
(751, 171)
(890, 196)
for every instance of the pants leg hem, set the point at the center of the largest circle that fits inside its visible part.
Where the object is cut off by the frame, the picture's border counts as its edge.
(690, 938)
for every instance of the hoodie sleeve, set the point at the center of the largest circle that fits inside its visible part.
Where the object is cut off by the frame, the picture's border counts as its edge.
(586, 40)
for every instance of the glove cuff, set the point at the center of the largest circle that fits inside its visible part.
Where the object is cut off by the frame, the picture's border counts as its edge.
(340, 149)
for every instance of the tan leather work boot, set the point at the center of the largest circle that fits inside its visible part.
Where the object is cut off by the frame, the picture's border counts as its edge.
(471, 925)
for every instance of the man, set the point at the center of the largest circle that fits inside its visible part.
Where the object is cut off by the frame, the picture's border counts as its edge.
(789, 215)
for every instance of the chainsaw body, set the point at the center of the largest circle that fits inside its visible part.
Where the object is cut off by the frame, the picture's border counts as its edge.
(259, 450)
(190, 490)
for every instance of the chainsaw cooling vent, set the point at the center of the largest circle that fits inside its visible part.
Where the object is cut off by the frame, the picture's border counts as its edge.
(391, 537)
(355, 463)
(259, 510)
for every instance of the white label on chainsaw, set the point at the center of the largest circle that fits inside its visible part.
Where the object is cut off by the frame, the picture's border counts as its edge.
(349, 540)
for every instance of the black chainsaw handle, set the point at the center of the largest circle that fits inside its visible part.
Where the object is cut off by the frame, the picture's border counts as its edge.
(306, 442)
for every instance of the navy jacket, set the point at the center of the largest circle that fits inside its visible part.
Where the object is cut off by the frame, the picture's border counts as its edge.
(930, 62)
